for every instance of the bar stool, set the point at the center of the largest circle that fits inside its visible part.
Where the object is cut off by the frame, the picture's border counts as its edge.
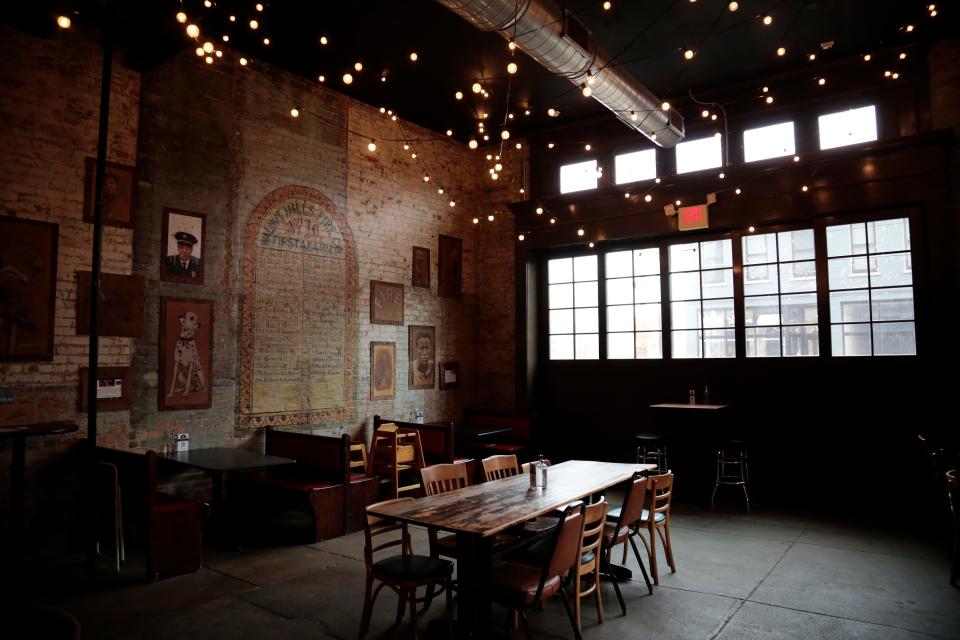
(732, 468)
(652, 449)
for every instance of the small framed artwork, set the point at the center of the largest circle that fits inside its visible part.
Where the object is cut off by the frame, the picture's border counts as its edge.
(121, 304)
(421, 267)
(28, 286)
(422, 356)
(383, 370)
(118, 184)
(386, 302)
(181, 247)
(113, 388)
(186, 353)
(450, 267)
(449, 375)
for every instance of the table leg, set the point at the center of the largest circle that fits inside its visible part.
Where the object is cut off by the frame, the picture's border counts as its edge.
(17, 472)
(473, 606)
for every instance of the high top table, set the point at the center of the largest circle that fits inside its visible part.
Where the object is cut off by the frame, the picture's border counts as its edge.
(478, 512)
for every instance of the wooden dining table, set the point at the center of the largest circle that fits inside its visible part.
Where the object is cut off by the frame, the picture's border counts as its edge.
(476, 514)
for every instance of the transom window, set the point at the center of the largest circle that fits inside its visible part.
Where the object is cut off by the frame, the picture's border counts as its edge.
(698, 155)
(773, 141)
(634, 327)
(780, 294)
(573, 303)
(848, 127)
(871, 288)
(701, 300)
(635, 166)
(579, 176)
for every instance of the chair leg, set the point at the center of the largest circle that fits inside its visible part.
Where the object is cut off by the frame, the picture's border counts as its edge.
(596, 590)
(448, 586)
(413, 613)
(668, 547)
(643, 569)
(613, 579)
(745, 495)
(652, 554)
(576, 597)
(401, 604)
(566, 605)
(526, 628)
(367, 608)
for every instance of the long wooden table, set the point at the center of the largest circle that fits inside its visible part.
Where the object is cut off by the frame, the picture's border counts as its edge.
(478, 512)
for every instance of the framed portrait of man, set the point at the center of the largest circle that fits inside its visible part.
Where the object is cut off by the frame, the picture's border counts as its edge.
(186, 354)
(118, 192)
(28, 285)
(383, 370)
(422, 348)
(450, 272)
(421, 267)
(182, 244)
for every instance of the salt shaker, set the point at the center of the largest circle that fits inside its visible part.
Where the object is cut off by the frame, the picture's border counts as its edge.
(693, 397)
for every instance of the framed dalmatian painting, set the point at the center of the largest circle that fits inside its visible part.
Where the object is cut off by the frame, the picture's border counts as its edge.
(186, 354)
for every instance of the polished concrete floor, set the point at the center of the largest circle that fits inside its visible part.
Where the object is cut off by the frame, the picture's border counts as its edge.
(739, 576)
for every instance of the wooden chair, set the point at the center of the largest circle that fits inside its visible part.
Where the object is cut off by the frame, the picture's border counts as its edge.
(521, 586)
(497, 467)
(437, 479)
(622, 525)
(358, 457)
(953, 493)
(402, 573)
(656, 518)
(396, 457)
(589, 553)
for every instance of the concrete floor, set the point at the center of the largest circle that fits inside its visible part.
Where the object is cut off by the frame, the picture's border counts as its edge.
(739, 577)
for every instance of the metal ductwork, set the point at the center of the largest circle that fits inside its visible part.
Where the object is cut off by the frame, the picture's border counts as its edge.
(559, 42)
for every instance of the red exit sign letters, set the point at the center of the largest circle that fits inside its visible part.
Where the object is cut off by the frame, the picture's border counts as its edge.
(694, 217)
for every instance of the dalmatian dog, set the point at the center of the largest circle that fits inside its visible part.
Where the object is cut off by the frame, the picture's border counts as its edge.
(188, 373)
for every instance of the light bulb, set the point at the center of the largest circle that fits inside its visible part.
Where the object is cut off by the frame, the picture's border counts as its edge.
(553, 221)
(804, 188)
(665, 106)
(233, 18)
(587, 147)
(704, 114)
(634, 116)
(607, 5)
(551, 112)
(886, 74)
(322, 78)
(207, 3)
(372, 146)
(733, 6)
(539, 211)
(243, 62)
(490, 218)
(489, 156)
(259, 7)
(440, 190)
(713, 116)
(526, 112)
(626, 194)
(677, 203)
(498, 167)
(358, 66)
(458, 95)
(511, 45)
(895, 76)
(587, 91)
(765, 89)
(494, 176)
(208, 59)
(580, 232)
(737, 191)
(323, 40)
(647, 198)
(266, 41)
(449, 132)
(781, 51)
(590, 244)
(347, 78)
(254, 24)
(199, 51)
(208, 47)
(476, 220)
(656, 180)
(721, 175)
(768, 20)
(453, 203)
(476, 88)
(505, 135)
(550, 145)
(219, 53)
(413, 56)
(193, 30)
(908, 28)
(512, 68)
(473, 144)
(903, 56)
(688, 54)
(414, 155)
(518, 146)
(521, 237)
(426, 178)
(769, 99)
(295, 112)
(181, 18)
(225, 38)
(867, 57)
(522, 190)
(796, 158)
(822, 81)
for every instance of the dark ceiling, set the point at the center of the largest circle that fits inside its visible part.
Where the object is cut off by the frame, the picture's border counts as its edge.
(646, 37)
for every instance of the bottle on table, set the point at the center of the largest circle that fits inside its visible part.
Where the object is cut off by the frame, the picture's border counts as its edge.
(706, 394)
(693, 397)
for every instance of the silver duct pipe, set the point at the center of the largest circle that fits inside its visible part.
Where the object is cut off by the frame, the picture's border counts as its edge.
(559, 43)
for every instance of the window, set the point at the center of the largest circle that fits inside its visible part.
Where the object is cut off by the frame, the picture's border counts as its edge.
(848, 127)
(780, 294)
(636, 166)
(701, 300)
(633, 304)
(871, 288)
(769, 142)
(697, 155)
(573, 304)
(578, 177)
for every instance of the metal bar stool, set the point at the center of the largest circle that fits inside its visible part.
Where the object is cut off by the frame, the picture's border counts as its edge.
(652, 449)
(733, 468)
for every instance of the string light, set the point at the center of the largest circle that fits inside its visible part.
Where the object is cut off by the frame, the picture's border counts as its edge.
(208, 59)
(494, 176)
(426, 178)
(254, 25)
(512, 68)
(358, 66)
(511, 45)
(796, 158)
(587, 91)
(751, 228)
(477, 87)
(626, 194)
(233, 18)
(721, 175)
(733, 6)
(323, 40)
(766, 89)
(895, 76)
(607, 5)
(587, 147)
(243, 63)
(521, 237)
(665, 106)
(634, 116)
(207, 3)
(553, 113)
(804, 188)
(580, 232)
(347, 78)
(181, 18)
(413, 56)
(769, 100)
(219, 53)
(867, 57)
(908, 28)
(550, 145)
(473, 144)
(553, 221)
(539, 211)
(518, 146)
(476, 221)
(259, 7)
(505, 135)
(372, 146)
(208, 47)
(225, 38)
(322, 78)
(688, 54)
(812, 57)
(193, 31)
(821, 81)
(199, 51)
(737, 191)
(704, 114)
(590, 244)
(453, 203)
(294, 113)
(526, 112)
(458, 95)
(648, 198)
(903, 56)
(449, 132)
(781, 51)
(768, 20)
(266, 41)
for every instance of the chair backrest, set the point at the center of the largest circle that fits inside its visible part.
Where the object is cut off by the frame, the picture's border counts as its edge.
(594, 517)
(661, 491)
(441, 478)
(497, 467)
(376, 526)
(634, 501)
(566, 544)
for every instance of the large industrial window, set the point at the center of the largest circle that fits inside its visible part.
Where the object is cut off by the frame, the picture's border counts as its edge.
(634, 327)
(701, 300)
(780, 294)
(578, 177)
(773, 141)
(697, 155)
(573, 304)
(871, 288)
(635, 166)
(848, 127)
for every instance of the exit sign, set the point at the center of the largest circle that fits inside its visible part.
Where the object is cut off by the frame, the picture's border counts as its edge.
(694, 217)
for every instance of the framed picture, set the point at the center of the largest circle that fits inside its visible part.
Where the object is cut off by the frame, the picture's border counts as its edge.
(422, 348)
(386, 303)
(421, 267)
(449, 375)
(186, 353)
(113, 388)
(28, 285)
(383, 370)
(450, 267)
(121, 304)
(117, 193)
(181, 250)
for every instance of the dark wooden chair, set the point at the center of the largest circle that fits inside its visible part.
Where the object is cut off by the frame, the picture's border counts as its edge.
(403, 573)
(519, 586)
(622, 525)
(656, 519)
(953, 493)
(500, 466)
(591, 543)
(437, 479)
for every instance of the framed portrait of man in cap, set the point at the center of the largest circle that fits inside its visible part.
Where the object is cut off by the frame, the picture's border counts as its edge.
(182, 254)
